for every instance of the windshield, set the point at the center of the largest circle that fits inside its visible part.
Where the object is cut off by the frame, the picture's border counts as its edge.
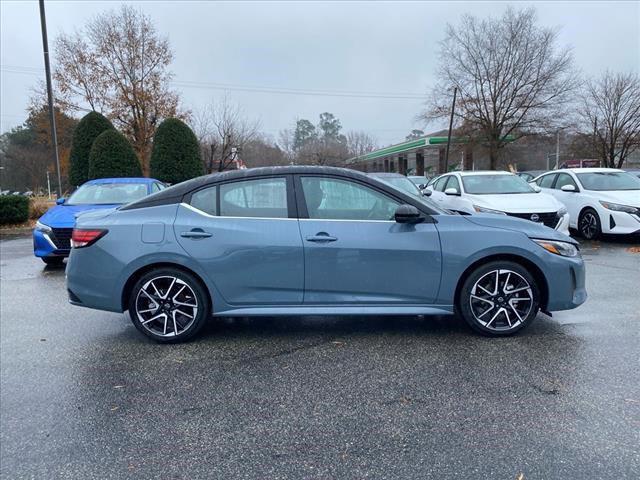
(609, 181)
(107, 194)
(495, 184)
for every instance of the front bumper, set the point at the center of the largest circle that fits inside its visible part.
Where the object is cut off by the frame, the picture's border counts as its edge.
(566, 282)
(621, 223)
(563, 224)
(44, 246)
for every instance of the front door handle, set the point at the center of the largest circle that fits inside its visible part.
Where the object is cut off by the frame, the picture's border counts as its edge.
(321, 237)
(195, 233)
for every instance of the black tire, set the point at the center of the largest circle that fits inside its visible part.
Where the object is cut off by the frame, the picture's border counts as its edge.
(53, 261)
(518, 309)
(144, 306)
(589, 224)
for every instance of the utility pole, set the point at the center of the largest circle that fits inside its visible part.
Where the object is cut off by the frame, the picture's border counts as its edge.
(557, 149)
(453, 106)
(52, 113)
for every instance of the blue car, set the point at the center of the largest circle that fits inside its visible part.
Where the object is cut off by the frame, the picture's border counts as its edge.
(314, 241)
(52, 234)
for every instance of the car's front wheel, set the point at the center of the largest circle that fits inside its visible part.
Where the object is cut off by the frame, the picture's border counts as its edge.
(499, 298)
(589, 224)
(168, 305)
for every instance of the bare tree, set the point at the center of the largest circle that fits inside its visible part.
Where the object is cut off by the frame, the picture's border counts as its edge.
(610, 114)
(222, 127)
(510, 76)
(360, 143)
(118, 65)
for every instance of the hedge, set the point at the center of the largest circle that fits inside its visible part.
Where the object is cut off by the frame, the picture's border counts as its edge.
(176, 155)
(13, 209)
(112, 156)
(85, 133)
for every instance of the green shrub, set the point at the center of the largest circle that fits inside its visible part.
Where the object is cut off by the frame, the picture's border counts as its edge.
(85, 133)
(113, 156)
(176, 155)
(13, 209)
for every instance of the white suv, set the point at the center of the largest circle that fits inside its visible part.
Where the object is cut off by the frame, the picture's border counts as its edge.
(498, 192)
(599, 200)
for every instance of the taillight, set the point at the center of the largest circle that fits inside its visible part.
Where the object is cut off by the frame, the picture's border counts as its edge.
(83, 237)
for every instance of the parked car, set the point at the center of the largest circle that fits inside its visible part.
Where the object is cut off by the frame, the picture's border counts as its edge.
(599, 200)
(52, 234)
(529, 175)
(500, 193)
(313, 241)
(420, 181)
(399, 181)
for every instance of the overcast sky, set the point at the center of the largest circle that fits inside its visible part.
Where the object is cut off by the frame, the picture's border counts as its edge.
(365, 47)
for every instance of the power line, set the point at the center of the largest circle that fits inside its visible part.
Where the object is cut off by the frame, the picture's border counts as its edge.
(257, 88)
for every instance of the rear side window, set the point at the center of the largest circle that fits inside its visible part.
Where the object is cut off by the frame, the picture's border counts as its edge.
(546, 181)
(263, 198)
(205, 200)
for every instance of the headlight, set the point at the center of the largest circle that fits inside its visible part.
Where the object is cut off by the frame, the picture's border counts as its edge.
(43, 228)
(562, 212)
(616, 207)
(564, 249)
(480, 209)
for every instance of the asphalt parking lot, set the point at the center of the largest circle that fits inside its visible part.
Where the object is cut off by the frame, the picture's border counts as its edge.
(84, 395)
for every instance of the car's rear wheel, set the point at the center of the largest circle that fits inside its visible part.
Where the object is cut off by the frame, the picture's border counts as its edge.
(168, 305)
(53, 261)
(499, 298)
(589, 224)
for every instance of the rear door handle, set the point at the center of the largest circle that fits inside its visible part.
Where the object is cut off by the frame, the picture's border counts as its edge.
(195, 233)
(321, 237)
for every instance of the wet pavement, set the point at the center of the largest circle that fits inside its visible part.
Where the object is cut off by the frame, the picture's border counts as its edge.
(84, 395)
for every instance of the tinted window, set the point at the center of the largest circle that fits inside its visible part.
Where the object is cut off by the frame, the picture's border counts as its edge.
(205, 200)
(265, 198)
(453, 183)
(156, 187)
(108, 194)
(546, 181)
(564, 179)
(609, 181)
(334, 199)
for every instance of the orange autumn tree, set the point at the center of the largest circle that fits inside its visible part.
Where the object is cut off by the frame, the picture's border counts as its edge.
(118, 65)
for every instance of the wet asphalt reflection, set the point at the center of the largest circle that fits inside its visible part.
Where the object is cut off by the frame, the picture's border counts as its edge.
(84, 395)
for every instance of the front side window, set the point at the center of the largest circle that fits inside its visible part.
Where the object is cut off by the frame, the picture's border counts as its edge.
(205, 200)
(440, 183)
(453, 183)
(263, 198)
(564, 179)
(334, 199)
(546, 181)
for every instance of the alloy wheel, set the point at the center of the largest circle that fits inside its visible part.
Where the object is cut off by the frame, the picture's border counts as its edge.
(501, 300)
(166, 306)
(588, 225)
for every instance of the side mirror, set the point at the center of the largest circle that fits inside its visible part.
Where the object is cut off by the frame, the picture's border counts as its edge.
(568, 188)
(452, 191)
(427, 192)
(408, 214)
(536, 188)
(60, 201)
